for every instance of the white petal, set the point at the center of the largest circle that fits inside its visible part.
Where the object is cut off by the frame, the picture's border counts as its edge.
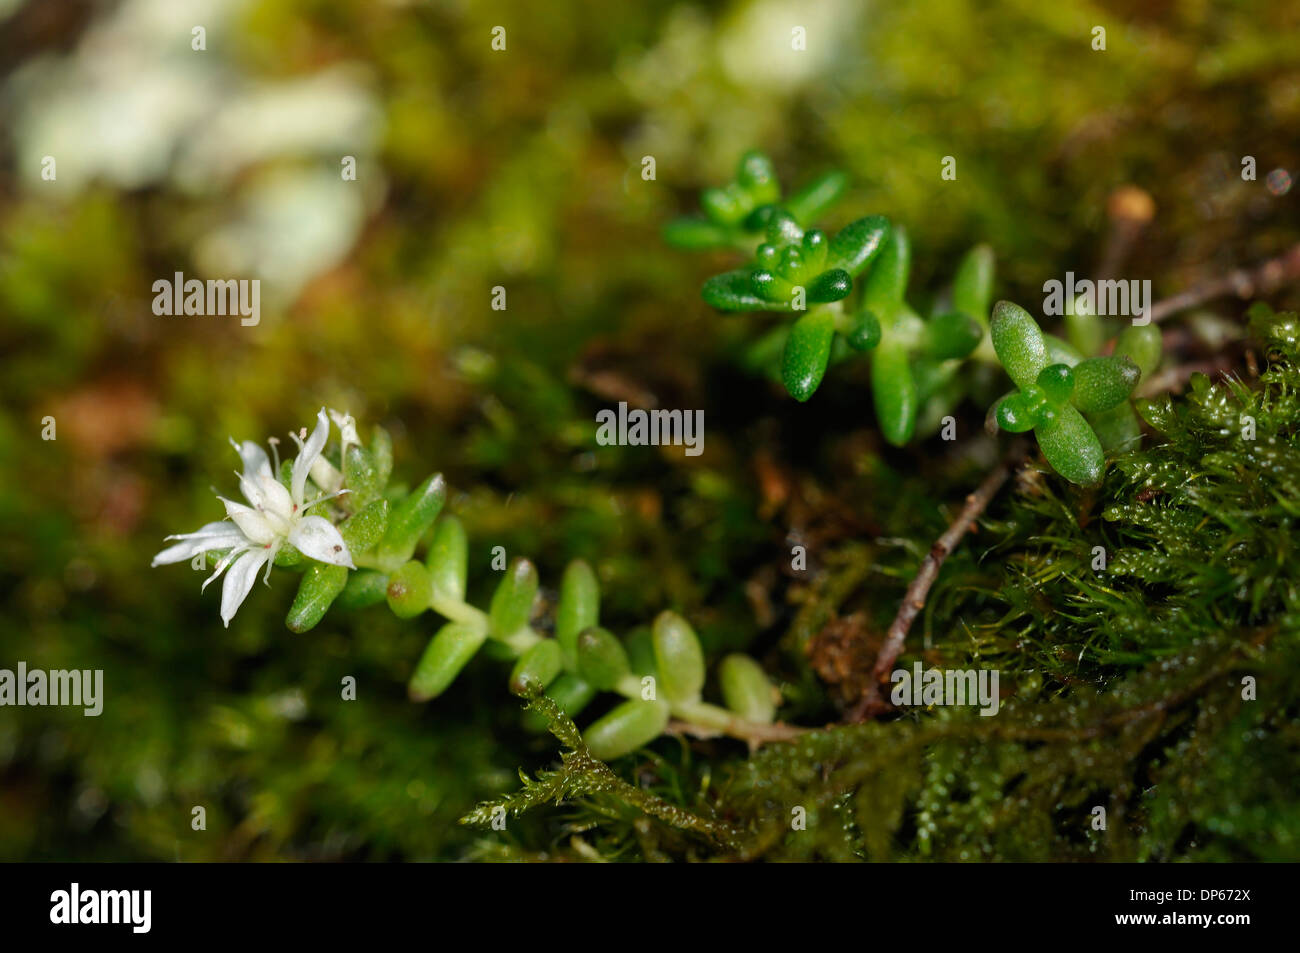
(211, 536)
(251, 487)
(254, 457)
(308, 454)
(277, 497)
(268, 496)
(347, 425)
(316, 538)
(255, 527)
(239, 581)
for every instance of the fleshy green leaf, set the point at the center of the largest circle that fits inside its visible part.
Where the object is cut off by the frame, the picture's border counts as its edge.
(696, 234)
(953, 335)
(362, 530)
(886, 282)
(816, 248)
(832, 285)
(537, 667)
(319, 587)
(1018, 341)
(1104, 382)
(1057, 382)
(972, 286)
(771, 288)
(894, 390)
(365, 588)
(1071, 447)
(678, 658)
(1013, 414)
(733, 291)
(361, 476)
(1085, 332)
(857, 244)
(746, 689)
(602, 660)
(409, 590)
(448, 560)
(815, 199)
(725, 206)
(629, 726)
(447, 653)
(1142, 345)
(381, 450)
(757, 176)
(578, 608)
(286, 558)
(807, 352)
(409, 519)
(512, 603)
(865, 333)
(782, 229)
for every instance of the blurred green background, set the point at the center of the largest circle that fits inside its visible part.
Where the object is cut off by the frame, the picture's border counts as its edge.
(519, 168)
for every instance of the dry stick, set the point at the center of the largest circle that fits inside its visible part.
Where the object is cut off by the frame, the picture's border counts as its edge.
(914, 600)
(1243, 282)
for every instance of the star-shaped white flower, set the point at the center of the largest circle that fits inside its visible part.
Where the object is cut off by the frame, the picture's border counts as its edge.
(273, 518)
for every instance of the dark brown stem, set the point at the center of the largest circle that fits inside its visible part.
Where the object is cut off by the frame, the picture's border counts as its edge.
(871, 703)
(1243, 282)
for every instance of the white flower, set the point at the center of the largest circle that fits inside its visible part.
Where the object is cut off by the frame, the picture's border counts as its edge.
(273, 517)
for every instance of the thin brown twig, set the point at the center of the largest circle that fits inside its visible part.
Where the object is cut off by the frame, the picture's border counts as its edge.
(914, 601)
(1242, 282)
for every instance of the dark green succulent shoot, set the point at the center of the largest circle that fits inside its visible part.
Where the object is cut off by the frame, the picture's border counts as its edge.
(1054, 395)
(799, 269)
(736, 215)
(807, 273)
